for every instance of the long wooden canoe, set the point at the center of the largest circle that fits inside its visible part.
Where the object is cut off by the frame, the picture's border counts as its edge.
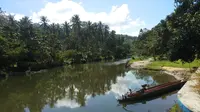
(144, 101)
(153, 91)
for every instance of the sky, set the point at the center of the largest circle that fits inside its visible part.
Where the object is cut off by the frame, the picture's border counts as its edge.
(123, 16)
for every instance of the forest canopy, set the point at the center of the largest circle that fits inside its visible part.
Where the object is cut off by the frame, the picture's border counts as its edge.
(176, 37)
(26, 45)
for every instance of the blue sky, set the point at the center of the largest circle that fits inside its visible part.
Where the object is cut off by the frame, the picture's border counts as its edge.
(124, 16)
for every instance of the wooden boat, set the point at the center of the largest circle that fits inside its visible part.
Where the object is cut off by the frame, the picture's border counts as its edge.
(153, 91)
(146, 100)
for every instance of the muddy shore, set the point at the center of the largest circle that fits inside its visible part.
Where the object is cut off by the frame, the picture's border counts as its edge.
(178, 73)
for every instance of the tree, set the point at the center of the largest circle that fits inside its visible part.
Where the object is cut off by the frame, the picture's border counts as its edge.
(44, 22)
(76, 28)
(33, 46)
(66, 28)
(176, 37)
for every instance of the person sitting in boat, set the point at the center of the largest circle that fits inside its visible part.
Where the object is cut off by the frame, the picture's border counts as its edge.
(130, 91)
(124, 97)
(144, 87)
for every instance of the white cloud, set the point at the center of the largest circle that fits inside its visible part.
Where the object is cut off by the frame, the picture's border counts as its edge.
(124, 84)
(118, 18)
(68, 103)
(16, 16)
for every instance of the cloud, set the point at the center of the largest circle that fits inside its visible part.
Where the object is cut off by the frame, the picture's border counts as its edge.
(16, 16)
(68, 103)
(118, 18)
(124, 84)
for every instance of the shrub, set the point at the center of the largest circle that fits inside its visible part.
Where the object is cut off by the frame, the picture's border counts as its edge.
(67, 57)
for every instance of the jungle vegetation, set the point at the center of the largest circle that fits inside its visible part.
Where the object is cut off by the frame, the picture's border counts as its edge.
(25, 45)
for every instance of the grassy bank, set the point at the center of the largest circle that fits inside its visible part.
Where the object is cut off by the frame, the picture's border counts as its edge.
(158, 64)
(134, 60)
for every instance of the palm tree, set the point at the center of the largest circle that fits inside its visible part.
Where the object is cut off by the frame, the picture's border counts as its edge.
(76, 27)
(44, 22)
(76, 24)
(26, 28)
(67, 28)
(53, 28)
(11, 28)
(100, 33)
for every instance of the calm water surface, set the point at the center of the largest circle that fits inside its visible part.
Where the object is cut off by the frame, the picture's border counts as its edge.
(81, 88)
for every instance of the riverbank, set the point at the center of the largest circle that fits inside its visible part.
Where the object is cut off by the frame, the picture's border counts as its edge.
(189, 94)
(178, 73)
(28, 69)
(140, 64)
(181, 71)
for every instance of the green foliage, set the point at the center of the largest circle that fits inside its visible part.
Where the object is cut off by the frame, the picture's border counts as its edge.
(176, 37)
(27, 45)
(179, 64)
(69, 54)
(3, 56)
(134, 60)
(175, 108)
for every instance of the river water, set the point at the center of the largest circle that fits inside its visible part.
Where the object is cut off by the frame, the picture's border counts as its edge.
(82, 88)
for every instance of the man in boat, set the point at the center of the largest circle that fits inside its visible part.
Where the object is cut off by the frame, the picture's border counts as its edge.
(130, 91)
(124, 97)
(144, 87)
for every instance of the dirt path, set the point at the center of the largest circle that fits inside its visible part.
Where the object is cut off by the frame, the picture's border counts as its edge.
(140, 64)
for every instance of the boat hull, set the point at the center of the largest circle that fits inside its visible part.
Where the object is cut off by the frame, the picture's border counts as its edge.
(144, 101)
(155, 93)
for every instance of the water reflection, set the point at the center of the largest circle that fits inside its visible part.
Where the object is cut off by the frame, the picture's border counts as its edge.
(73, 88)
(163, 97)
(129, 81)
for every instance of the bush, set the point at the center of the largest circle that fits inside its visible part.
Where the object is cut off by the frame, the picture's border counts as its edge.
(69, 54)
(133, 57)
(67, 57)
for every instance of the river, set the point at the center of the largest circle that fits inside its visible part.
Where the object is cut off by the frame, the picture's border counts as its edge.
(81, 88)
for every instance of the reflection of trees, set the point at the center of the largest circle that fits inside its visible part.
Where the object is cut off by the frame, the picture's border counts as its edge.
(74, 82)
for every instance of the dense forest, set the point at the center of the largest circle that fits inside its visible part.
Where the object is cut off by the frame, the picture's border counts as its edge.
(176, 37)
(25, 45)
